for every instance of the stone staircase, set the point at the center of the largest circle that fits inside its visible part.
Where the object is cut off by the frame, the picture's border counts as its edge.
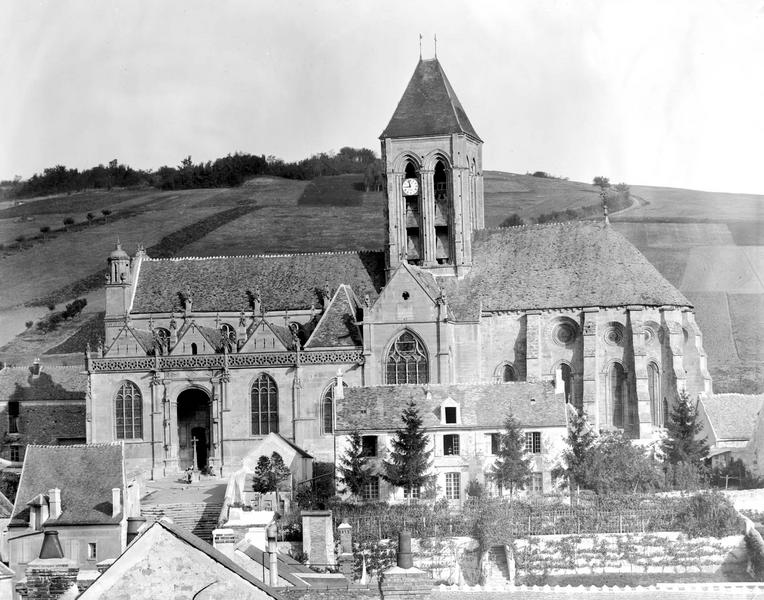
(495, 567)
(200, 518)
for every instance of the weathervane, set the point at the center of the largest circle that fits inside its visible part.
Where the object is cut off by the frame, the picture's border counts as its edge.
(436, 45)
(420, 46)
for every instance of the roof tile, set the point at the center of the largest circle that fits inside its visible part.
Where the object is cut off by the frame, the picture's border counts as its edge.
(84, 473)
(337, 326)
(733, 416)
(482, 405)
(559, 265)
(225, 283)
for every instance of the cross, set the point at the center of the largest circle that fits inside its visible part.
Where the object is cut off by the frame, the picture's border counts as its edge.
(193, 445)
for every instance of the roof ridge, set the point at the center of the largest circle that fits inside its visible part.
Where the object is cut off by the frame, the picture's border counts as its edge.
(86, 445)
(282, 255)
(550, 224)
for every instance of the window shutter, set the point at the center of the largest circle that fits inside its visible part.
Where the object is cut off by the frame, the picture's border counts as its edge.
(438, 440)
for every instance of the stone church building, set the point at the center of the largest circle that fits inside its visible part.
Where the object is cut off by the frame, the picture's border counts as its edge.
(203, 357)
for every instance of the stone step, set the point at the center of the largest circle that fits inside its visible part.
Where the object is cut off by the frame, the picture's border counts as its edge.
(199, 518)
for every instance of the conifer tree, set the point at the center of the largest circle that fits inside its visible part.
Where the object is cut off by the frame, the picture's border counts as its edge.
(269, 473)
(681, 444)
(575, 458)
(354, 470)
(409, 463)
(512, 468)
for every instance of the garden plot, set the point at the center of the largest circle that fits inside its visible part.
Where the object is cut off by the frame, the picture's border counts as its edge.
(723, 269)
(747, 313)
(294, 218)
(669, 203)
(713, 315)
(42, 268)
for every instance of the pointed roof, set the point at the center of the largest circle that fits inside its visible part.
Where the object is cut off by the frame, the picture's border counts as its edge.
(429, 106)
(165, 561)
(337, 327)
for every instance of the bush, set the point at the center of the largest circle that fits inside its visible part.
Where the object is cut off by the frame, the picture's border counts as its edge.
(29, 324)
(708, 514)
(513, 220)
(74, 308)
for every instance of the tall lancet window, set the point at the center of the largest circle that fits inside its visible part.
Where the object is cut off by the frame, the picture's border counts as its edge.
(617, 394)
(654, 391)
(412, 194)
(407, 361)
(442, 214)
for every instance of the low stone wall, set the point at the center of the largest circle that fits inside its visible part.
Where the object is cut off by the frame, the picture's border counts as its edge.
(451, 561)
(746, 499)
(553, 559)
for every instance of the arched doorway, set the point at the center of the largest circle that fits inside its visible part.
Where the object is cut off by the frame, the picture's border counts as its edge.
(193, 428)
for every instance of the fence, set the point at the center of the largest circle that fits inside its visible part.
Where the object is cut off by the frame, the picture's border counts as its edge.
(523, 521)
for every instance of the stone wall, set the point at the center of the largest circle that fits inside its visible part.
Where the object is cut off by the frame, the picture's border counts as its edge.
(551, 559)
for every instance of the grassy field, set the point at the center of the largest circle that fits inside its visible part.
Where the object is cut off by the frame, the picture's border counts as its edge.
(329, 213)
(707, 244)
(528, 196)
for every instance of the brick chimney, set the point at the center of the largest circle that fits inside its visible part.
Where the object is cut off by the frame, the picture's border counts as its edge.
(50, 576)
(54, 503)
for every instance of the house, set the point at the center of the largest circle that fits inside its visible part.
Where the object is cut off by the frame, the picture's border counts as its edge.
(166, 561)
(732, 427)
(463, 423)
(206, 356)
(40, 404)
(81, 492)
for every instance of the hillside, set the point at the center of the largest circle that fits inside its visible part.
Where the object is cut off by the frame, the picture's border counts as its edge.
(709, 245)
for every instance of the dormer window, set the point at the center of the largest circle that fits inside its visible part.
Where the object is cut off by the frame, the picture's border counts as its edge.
(450, 412)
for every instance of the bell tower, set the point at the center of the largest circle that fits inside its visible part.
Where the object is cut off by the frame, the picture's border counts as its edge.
(118, 282)
(434, 170)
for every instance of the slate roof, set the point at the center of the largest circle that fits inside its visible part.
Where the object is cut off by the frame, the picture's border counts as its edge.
(429, 106)
(558, 265)
(482, 405)
(84, 473)
(732, 416)
(288, 281)
(53, 383)
(337, 326)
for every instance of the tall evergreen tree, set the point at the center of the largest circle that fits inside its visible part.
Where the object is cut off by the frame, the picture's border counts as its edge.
(512, 468)
(682, 444)
(354, 470)
(409, 463)
(575, 457)
(269, 473)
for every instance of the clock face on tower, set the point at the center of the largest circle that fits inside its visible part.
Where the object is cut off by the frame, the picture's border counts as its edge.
(410, 187)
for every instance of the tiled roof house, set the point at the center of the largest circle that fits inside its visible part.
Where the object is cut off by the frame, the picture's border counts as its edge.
(79, 491)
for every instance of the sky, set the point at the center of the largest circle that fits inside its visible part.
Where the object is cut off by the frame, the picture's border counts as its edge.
(667, 93)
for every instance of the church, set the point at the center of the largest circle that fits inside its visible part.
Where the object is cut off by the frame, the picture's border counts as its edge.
(204, 357)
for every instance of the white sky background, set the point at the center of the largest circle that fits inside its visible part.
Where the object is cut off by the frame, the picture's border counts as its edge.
(656, 93)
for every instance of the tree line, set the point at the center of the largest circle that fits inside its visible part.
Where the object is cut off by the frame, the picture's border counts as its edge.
(228, 171)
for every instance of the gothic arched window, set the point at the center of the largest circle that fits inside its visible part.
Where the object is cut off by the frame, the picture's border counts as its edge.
(128, 412)
(327, 407)
(654, 392)
(265, 406)
(565, 377)
(617, 394)
(407, 360)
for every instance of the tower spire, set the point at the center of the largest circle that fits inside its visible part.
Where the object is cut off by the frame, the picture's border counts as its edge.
(436, 45)
(420, 46)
